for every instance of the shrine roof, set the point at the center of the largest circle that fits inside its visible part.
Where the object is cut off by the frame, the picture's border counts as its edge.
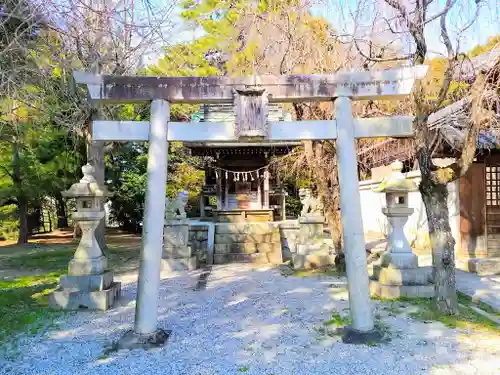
(226, 113)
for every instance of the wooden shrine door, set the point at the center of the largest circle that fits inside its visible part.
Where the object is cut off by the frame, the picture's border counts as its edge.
(492, 204)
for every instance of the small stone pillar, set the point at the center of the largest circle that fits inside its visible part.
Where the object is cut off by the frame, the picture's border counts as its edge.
(178, 254)
(88, 284)
(312, 252)
(396, 274)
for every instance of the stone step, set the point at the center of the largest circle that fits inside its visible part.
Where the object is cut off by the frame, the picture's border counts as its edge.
(256, 258)
(228, 238)
(247, 248)
(246, 228)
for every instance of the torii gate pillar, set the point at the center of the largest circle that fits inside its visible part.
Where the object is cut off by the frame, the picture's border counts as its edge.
(362, 329)
(146, 332)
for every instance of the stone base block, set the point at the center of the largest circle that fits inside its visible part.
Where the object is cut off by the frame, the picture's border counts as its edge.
(377, 289)
(74, 300)
(247, 248)
(91, 266)
(132, 340)
(405, 276)
(274, 256)
(178, 252)
(257, 258)
(353, 336)
(312, 219)
(248, 229)
(229, 238)
(314, 260)
(87, 283)
(233, 257)
(399, 260)
(312, 248)
(180, 264)
(481, 266)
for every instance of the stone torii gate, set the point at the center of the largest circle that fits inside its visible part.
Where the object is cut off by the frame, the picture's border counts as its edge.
(251, 96)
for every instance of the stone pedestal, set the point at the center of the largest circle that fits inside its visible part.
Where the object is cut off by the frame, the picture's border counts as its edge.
(312, 252)
(88, 284)
(481, 266)
(396, 274)
(178, 254)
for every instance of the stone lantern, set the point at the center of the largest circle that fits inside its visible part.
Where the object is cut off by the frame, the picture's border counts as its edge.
(396, 188)
(397, 274)
(89, 283)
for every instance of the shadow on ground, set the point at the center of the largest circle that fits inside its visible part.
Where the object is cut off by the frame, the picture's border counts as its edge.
(247, 320)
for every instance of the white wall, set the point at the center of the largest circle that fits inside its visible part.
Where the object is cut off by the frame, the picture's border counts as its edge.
(374, 221)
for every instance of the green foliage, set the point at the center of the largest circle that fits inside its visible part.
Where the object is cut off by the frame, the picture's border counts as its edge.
(23, 305)
(292, 206)
(8, 222)
(424, 310)
(52, 259)
(457, 90)
(493, 42)
(338, 320)
(126, 168)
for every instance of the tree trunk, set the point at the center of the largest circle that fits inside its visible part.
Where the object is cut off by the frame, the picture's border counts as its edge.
(49, 215)
(62, 217)
(22, 207)
(435, 198)
(22, 202)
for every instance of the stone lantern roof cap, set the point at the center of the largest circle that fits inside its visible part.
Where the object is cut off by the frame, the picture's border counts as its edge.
(397, 182)
(87, 187)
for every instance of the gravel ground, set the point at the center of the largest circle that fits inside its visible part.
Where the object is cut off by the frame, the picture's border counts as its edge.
(252, 321)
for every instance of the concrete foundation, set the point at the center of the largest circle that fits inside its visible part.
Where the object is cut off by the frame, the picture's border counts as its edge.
(72, 299)
(397, 291)
(132, 340)
(311, 261)
(397, 277)
(180, 264)
(354, 336)
(86, 282)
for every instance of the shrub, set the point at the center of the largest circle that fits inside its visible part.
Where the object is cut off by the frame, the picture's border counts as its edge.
(9, 223)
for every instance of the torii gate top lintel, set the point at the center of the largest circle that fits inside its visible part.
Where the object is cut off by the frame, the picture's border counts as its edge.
(292, 88)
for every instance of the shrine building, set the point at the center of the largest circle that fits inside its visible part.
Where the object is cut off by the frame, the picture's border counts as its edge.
(242, 184)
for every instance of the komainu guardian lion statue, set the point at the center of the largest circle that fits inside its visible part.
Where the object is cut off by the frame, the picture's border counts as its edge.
(310, 204)
(176, 207)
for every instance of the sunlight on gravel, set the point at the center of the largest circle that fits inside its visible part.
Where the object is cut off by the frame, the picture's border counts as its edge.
(252, 321)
